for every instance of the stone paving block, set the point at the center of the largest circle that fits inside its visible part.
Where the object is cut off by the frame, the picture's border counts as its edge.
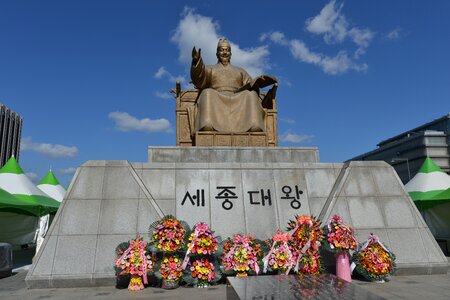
(359, 183)
(80, 217)
(45, 263)
(281, 155)
(116, 163)
(259, 203)
(304, 156)
(94, 163)
(159, 182)
(224, 155)
(319, 182)
(193, 196)
(167, 206)
(118, 216)
(403, 241)
(161, 154)
(251, 154)
(89, 183)
(71, 280)
(104, 260)
(435, 255)
(365, 212)
(119, 183)
(387, 182)
(398, 212)
(193, 154)
(291, 194)
(227, 183)
(316, 204)
(146, 215)
(39, 282)
(341, 208)
(74, 255)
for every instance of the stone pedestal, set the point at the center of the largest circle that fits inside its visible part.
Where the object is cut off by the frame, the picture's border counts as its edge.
(235, 190)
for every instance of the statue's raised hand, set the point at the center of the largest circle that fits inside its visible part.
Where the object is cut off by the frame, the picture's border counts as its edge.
(196, 55)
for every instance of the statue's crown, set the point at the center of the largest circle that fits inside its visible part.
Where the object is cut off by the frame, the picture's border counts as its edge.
(223, 42)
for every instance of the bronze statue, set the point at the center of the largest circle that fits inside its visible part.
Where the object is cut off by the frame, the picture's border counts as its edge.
(228, 98)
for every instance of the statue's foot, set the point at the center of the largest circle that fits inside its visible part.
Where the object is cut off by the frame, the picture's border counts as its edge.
(207, 128)
(255, 129)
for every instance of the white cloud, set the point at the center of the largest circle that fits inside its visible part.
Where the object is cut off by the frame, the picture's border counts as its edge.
(163, 95)
(301, 52)
(126, 122)
(294, 138)
(289, 121)
(333, 25)
(32, 176)
(49, 150)
(338, 64)
(163, 73)
(67, 171)
(394, 34)
(203, 32)
(328, 22)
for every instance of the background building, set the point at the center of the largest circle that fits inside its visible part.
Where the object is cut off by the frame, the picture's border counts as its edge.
(407, 151)
(10, 134)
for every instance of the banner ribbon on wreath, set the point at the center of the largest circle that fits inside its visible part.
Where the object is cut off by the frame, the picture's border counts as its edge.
(191, 245)
(301, 253)
(266, 258)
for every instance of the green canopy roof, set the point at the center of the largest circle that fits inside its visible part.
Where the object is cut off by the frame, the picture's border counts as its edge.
(49, 179)
(12, 167)
(429, 166)
(9, 203)
(430, 186)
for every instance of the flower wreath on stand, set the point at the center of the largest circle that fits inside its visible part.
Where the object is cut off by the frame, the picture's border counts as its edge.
(374, 261)
(241, 255)
(340, 241)
(168, 242)
(340, 237)
(307, 238)
(280, 257)
(203, 245)
(134, 258)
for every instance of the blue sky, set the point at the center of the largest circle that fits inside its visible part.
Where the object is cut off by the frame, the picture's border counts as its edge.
(91, 79)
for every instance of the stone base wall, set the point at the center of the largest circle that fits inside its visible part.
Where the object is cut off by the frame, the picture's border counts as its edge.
(109, 202)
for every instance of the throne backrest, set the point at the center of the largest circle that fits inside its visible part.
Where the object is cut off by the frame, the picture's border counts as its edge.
(185, 135)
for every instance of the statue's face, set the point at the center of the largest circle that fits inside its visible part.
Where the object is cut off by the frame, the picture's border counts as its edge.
(224, 54)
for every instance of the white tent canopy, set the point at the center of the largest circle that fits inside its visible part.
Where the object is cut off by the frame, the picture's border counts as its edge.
(430, 191)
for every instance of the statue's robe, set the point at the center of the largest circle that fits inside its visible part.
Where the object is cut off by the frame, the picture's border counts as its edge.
(219, 108)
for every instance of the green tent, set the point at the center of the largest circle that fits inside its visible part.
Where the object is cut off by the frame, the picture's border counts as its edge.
(14, 181)
(430, 191)
(430, 186)
(9, 203)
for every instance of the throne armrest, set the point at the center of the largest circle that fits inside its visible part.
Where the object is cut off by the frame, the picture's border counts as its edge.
(269, 97)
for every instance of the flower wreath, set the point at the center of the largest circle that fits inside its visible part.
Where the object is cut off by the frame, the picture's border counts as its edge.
(241, 255)
(280, 256)
(202, 272)
(374, 261)
(340, 237)
(168, 234)
(307, 237)
(134, 258)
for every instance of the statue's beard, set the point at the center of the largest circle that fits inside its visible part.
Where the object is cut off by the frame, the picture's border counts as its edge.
(224, 59)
